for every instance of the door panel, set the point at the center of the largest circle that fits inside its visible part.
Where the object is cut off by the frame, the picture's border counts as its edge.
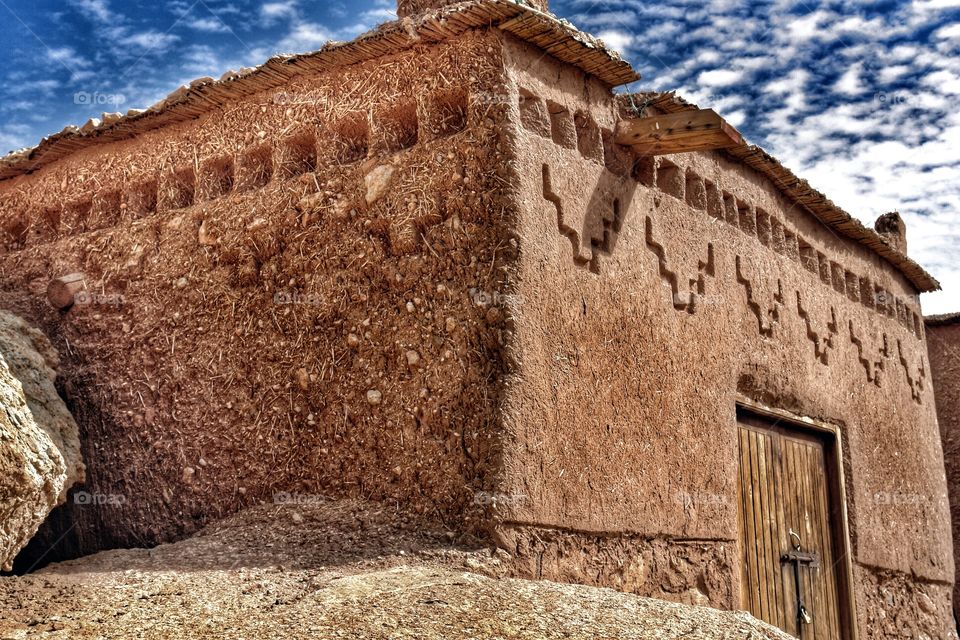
(784, 487)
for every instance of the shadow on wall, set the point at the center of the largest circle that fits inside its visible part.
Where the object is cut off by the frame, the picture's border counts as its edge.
(78, 527)
(602, 214)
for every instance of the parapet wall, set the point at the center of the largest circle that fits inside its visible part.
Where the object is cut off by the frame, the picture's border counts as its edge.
(281, 299)
(647, 300)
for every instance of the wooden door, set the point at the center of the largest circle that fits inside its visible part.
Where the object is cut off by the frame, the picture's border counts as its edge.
(785, 487)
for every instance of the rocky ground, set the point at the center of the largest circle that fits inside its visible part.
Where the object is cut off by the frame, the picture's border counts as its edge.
(330, 570)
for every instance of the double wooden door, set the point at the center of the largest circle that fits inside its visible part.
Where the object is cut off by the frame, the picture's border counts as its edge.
(792, 564)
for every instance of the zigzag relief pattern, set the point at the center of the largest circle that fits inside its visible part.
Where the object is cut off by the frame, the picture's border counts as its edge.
(566, 230)
(579, 131)
(687, 291)
(872, 357)
(763, 300)
(602, 221)
(918, 383)
(612, 224)
(764, 291)
(823, 340)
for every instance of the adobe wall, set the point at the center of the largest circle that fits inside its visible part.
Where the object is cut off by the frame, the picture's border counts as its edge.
(944, 347)
(281, 299)
(620, 442)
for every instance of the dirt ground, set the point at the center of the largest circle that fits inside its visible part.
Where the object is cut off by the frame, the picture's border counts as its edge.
(330, 570)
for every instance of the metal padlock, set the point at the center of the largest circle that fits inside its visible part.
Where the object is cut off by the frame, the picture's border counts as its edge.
(805, 617)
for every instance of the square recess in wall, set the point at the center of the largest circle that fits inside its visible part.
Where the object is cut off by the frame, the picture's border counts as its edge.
(695, 191)
(217, 177)
(589, 142)
(256, 167)
(351, 138)
(447, 112)
(179, 189)
(562, 129)
(298, 154)
(76, 216)
(107, 207)
(13, 233)
(397, 126)
(44, 226)
(533, 113)
(141, 198)
(671, 179)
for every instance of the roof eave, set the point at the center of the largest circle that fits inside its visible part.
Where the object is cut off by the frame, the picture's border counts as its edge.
(814, 202)
(544, 30)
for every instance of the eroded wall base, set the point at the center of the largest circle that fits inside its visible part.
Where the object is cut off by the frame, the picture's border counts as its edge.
(695, 572)
(895, 605)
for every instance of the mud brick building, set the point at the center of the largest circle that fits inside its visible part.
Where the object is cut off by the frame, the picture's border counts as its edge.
(445, 266)
(943, 336)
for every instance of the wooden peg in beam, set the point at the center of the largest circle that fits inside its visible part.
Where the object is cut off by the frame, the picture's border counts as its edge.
(701, 130)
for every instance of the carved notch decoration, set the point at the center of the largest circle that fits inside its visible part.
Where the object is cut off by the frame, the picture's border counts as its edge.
(916, 376)
(824, 340)
(579, 257)
(871, 356)
(687, 284)
(764, 297)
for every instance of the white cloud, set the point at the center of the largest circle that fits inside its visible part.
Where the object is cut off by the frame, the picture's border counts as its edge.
(304, 36)
(616, 39)
(149, 40)
(211, 25)
(94, 9)
(271, 12)
(948, 32)
(720, 77)
(849, 83)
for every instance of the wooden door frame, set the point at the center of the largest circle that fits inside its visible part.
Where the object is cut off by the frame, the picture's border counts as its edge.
(836, 483)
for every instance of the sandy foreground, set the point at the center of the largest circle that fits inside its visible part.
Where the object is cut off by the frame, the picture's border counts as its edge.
(331, 570)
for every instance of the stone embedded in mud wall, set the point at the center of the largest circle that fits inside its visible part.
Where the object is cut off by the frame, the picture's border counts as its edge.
(39, 441)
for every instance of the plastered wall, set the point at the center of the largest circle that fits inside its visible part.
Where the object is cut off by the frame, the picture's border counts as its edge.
(645, 300)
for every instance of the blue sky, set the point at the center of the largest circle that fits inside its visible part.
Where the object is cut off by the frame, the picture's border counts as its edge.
(858, 97)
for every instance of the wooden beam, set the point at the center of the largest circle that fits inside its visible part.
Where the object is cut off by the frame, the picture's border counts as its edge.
(62, 291)
(677, 133)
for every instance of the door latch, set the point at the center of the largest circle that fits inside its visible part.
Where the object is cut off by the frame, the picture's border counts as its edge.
(798, 557)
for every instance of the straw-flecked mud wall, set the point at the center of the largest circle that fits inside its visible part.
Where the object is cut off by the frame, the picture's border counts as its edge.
(943, 335)
(646, 299)
(284, 298)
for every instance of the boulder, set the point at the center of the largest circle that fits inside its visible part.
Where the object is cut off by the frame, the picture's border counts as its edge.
(39, 441)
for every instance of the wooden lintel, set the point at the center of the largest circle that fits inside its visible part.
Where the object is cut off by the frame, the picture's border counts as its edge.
(677, 133)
